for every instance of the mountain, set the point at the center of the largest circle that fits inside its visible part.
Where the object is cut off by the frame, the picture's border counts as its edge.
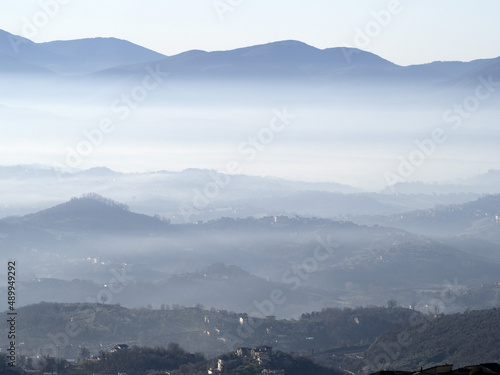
(295, 60)
(277, 60)
(30, 57)
(11, 44)
(9, 64)
(448, 68)
(20, 55)
(283, 61)
(95, 54)
(482, 68)
(281, 58)
(89, 213)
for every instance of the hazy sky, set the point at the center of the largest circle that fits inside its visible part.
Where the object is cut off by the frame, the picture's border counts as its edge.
(404, 31)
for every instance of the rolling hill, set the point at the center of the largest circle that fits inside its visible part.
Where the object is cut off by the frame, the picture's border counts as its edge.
(361, 339)
(89, 213)
(314, 262)
(212, 332)
(461, 339)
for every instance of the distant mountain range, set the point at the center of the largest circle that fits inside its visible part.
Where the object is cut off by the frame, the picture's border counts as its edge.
(171, 194)
(290, 59)
(94, 212)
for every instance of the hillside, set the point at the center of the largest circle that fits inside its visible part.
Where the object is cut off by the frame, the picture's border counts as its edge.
(461, 339)
(273, 60)
(94, 54)
(212, 332)
(21, 55)
(174, 360)
(315, 263)
(144, 286)
(73, 57)
(91, 212)
(479, 218)
(363, 338)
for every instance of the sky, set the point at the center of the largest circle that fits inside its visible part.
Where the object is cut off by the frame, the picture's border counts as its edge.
(403, 31)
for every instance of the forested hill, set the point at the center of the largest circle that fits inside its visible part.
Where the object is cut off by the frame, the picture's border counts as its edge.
(469, 338)
(358, 339)
(212, 332)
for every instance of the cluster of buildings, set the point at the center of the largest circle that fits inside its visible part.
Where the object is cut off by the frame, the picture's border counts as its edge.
(260, 354)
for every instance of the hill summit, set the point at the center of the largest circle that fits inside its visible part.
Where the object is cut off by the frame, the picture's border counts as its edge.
(91, 212)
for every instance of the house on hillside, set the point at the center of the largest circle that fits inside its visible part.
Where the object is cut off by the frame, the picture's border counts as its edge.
(262, 354)
(264, 349)
(244, 352)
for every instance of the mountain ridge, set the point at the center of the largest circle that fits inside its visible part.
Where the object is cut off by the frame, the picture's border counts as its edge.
(278, 58)
(73, 57)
